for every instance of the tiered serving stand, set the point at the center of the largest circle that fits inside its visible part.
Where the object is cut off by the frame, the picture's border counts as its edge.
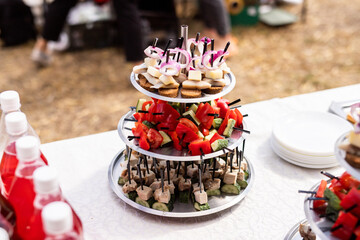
(321, 225)
(216, 203)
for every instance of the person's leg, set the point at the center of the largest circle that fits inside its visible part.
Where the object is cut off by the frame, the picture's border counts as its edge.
(215, 16)
(217, 23)
(54, 22)
(129, 20)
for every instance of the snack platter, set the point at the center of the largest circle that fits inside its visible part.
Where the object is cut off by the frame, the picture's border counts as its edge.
(170, 153)
(181, 210)
(320, 225)
(230, 84)
(340, 156)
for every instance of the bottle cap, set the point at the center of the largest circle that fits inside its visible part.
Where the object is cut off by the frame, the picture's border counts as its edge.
(57, 218)
(27, 148)
(4, 234)
(45, 180)
(10, 101)
(16, 123)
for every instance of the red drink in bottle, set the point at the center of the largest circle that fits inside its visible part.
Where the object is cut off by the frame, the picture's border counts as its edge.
(47, 190)
(58, 222)
(21, 194)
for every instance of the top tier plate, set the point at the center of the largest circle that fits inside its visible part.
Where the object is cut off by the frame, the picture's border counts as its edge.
(230, 84)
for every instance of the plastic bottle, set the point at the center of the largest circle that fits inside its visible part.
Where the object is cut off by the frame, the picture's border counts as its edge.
(10, 102)
(58, 222)
(47, 190)
(16, 127)
(22, 194)
(4, 234)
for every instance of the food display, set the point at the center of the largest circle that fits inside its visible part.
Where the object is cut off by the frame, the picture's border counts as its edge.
(185, 145)
(190, 70)
(333, 207)
(200, 128)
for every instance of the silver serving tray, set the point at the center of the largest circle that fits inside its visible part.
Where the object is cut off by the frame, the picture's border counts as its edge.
(181, 210)
(340, 156)
(293, 233)
(320, 225)
(170, 153)
(230, 84)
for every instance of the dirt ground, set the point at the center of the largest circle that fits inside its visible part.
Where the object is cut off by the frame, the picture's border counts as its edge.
(88, 91)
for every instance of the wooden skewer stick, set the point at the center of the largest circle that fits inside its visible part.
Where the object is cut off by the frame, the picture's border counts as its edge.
(178, 170)
(214, 166)
(231, 161)
(157, 114)
(146, 164)
(235, 101)
(180, 45)
(168, 170)
(242, 130)
(128, 128)
(225, 49)
(139, 171)
(132, 138)
(197, 37)
(317, 198)
(304, 191)
(162, 179)
(212, 49)
(155, 169)
(237, 106)
(130, 120)
(329, 175)
(129, 172)
(237, 155)
(166, 48)
(336, 228)
(213, 114)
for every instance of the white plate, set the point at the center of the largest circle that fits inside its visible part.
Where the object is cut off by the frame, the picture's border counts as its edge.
(310, 133)
(229, 85)
(302, 164)
(181, 210)
(302, 158)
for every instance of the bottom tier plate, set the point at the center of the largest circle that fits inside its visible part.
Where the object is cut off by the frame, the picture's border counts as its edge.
(181, 210)
(294, 233)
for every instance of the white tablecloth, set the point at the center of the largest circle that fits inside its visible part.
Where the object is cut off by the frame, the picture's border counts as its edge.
(271, 208)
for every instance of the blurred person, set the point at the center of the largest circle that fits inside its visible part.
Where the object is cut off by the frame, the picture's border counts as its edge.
(128, 18)
(217, 24)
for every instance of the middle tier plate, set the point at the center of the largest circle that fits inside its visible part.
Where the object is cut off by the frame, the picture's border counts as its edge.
(170, 153)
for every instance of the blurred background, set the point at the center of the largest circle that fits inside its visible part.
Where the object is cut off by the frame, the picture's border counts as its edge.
(284, 48)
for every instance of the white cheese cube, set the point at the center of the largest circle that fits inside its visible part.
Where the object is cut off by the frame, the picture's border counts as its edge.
(153, 72)
(354, 139)
(214, 74)
(167, 79)
(194, 75)
(150, 62)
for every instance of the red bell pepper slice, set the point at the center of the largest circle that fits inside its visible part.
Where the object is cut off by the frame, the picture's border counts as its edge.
(196, 145)
(216, 110)
(215, 137)
(175, 140)
(185, 134)
(350, 200)
(189, 124)
(154, 137)
(166, 126)
(139, 116)
(337, 188)
(348, 223)
(201, 105)
(139, 129)
(203, 115)
(239, 119)
(223, 105)
(224, 123)
(146, 103)
(143, 143)
(320, 193)
(204, 131)
(348, 181)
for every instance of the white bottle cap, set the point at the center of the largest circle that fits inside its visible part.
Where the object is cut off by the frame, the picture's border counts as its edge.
(16, 123)
(4, 234)
(10, 101)
(27, 148)
(45, 180)
(57, 218)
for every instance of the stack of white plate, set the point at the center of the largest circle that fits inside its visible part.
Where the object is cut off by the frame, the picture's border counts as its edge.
(307, 139)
